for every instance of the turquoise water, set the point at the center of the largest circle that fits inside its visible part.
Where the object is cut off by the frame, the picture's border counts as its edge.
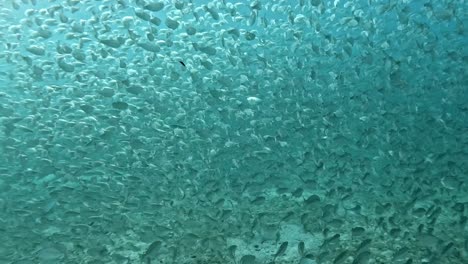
(242, 132)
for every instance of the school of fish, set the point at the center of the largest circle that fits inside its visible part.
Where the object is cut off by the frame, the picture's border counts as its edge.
(233, 132)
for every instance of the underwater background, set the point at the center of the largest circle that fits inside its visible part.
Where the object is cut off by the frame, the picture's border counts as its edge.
(238, 132)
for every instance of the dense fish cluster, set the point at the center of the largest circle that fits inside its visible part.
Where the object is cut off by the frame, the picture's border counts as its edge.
(239, 132)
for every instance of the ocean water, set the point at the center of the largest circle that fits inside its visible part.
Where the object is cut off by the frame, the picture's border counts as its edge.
(233, 132)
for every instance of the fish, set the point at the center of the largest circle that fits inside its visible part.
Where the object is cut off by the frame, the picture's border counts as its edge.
(120, 105)
(153, 6)
(362, 257)
(248, 259)
(281, 250)
(229, 131)
(340, 258)
(301, 248)
(36, 50)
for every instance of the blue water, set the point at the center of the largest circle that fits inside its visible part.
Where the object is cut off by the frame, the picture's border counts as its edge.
(324, 132)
